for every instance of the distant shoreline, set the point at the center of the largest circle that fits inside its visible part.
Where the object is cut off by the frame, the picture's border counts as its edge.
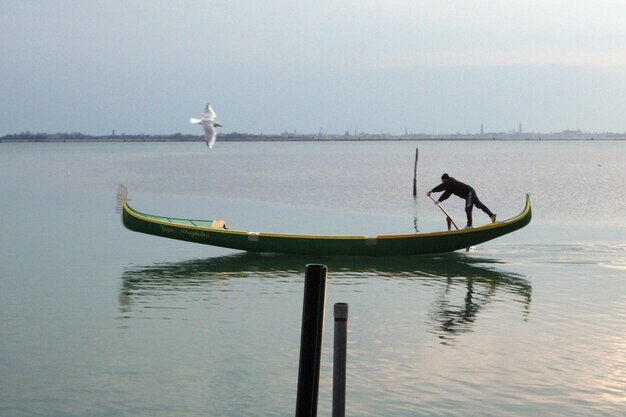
(42, 138)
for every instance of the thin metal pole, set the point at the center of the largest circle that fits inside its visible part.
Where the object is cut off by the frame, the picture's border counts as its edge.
(311, 340)
(339, 359)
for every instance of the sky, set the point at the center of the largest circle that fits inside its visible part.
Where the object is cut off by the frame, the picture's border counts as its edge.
(393, 66)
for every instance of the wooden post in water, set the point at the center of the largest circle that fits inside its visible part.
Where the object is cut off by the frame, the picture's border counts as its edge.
(415, 173)
(311, 340)
(339, 359)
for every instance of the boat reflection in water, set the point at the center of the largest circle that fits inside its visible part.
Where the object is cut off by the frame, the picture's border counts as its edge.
(463, 285)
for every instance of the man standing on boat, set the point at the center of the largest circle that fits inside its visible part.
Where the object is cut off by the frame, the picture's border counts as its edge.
(451, 186)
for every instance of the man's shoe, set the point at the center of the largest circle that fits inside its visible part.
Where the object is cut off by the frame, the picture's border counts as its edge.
(467, 227)
(493, 218)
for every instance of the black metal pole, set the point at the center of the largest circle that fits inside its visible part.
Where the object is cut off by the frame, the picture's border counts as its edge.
(339, 359)
(311, 340)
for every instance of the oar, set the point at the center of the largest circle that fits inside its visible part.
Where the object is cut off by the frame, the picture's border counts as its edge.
(448, 217)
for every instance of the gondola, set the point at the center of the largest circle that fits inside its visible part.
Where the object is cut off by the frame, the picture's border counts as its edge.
(216, 233)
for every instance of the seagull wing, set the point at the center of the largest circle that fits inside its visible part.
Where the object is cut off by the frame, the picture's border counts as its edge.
(209, 113)
(209, 134)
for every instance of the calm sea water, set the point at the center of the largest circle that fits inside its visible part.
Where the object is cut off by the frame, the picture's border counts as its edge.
(99, 321)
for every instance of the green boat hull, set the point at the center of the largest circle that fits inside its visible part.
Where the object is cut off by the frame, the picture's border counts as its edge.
(204, 232)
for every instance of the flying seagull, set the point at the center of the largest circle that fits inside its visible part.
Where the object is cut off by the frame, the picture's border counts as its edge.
(208, 123)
